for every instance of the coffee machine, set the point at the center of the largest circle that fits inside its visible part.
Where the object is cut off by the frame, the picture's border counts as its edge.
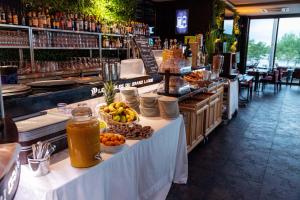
(230, 62)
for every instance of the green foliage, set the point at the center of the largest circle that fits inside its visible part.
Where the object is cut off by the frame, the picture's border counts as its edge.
(236, 26)
(288, 48)
(107, 10)
(257, 50)
(113, 10)
(231, 43)
(58, 5)
(210, 43)
(215, 35)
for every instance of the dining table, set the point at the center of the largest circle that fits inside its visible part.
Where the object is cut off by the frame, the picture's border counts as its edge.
(142, 170)
(257, 73)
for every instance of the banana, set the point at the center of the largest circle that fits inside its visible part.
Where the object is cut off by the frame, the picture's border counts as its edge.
(111, 107)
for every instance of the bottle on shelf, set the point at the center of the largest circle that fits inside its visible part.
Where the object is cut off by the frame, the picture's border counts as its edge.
(9, 17)
(40, 19)
(48, 19)
(93, 25)
(80, 23)
(188, 52)
(90, 23)
(35, 21)
(62, 23)
(29, 18)
(85, 23)
(23, 19)
(76, 23)
(98, 26)
(15, 19)
(69, 22)
(166, 44)
(2, 16)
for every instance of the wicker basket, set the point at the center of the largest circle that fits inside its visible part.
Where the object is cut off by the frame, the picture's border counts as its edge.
(109, 120)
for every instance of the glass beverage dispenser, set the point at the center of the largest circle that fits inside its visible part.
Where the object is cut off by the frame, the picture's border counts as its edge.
(83, 138)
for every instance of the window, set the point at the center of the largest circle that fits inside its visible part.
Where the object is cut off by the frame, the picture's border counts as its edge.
(274, 42)
(288, 43)
(228, 26)
(260, 43)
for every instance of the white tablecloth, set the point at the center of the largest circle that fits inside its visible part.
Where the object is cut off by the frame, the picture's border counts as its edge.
(233, 98)
(142, 170)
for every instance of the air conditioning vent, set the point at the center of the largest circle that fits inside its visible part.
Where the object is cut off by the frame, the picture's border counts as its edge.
(276, 10)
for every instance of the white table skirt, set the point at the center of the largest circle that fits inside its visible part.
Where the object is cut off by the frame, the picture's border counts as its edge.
(143, 170)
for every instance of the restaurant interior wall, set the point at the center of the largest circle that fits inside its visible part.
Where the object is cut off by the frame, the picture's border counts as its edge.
(145, 12)
(200, 17)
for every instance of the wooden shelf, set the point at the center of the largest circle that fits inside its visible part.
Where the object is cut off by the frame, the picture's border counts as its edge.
(67, 48)
(14, 47)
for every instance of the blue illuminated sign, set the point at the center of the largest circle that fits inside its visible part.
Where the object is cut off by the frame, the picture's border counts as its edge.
(182, 21)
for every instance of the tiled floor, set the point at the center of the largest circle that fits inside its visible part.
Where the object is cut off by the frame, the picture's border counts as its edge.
(256, 156)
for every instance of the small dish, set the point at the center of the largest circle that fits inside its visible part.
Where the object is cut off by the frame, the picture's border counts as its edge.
(111, 142)
(111, 149)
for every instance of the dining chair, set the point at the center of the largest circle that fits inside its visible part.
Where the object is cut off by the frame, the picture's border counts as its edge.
(296, 75)
(272, 78)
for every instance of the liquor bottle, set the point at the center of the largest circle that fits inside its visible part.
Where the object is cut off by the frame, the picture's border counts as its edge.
(15, 18)
(80, 22)
(35, 21)
(23, 19)
(98, 27)
(40, 19)
(188, 52)
(69, 22)
(44, 19)
(90, 23)
(75, 23)
(85, 23)
(93, 24)
(72, 21)
(62, 21)
(3, 16)
(56, 21)
(29, 18)
(48, 19)
(166, 44)
(53, 24)
(118, 43)
(9, 17)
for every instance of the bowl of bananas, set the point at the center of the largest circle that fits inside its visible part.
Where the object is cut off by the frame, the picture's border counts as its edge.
(118, 113)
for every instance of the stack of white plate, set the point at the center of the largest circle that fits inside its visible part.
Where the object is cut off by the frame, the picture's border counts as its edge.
(149, 105)
(168, 107)
(131, 96)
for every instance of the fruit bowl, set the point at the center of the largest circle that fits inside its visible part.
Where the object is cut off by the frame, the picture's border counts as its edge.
(111, 142)
(118, 113)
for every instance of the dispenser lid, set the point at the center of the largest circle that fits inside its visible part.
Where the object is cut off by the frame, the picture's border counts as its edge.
(82, 111)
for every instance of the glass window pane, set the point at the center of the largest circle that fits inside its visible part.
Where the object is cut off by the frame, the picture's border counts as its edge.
(288, 43)
(260, 40)
(228, 26)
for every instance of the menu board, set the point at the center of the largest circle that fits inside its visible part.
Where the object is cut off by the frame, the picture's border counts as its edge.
(146, 55)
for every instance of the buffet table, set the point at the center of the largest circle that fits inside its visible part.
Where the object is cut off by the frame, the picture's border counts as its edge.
(142, 170)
